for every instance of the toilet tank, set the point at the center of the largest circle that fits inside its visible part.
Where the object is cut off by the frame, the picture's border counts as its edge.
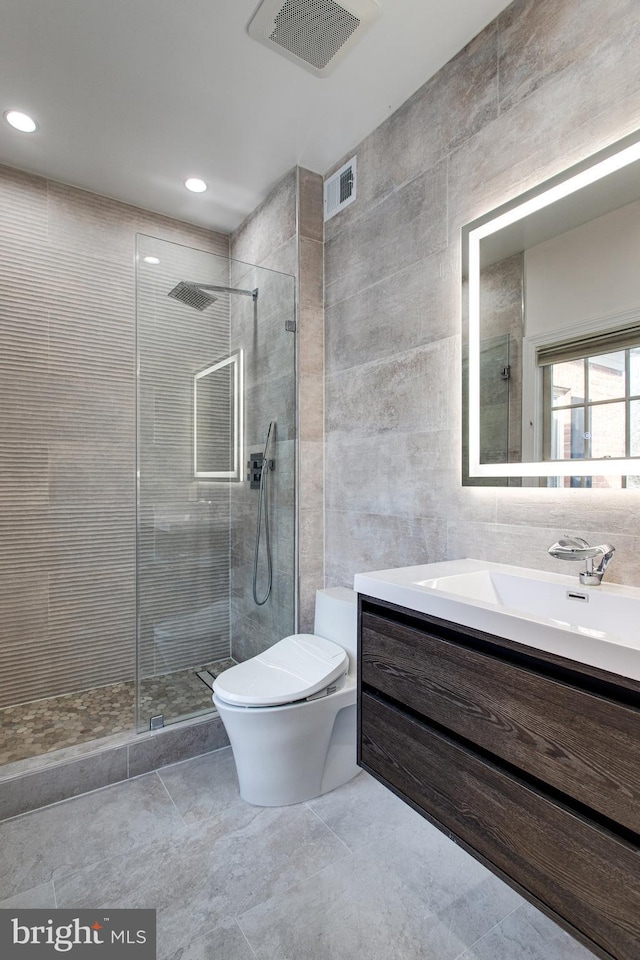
(337, 618)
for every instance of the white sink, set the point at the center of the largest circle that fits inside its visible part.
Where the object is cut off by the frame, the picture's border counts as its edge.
(554, 612)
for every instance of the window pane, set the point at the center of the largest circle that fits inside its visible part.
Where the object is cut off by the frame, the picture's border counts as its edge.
(635, 371)
(634, 428)
(606, 376)
(567, 383)
(567, 434)
(607, 430)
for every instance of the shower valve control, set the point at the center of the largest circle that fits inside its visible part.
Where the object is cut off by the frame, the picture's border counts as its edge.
(254, 469)
(254, 466)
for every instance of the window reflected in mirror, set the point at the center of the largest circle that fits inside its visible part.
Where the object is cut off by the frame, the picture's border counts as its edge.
(591, 411)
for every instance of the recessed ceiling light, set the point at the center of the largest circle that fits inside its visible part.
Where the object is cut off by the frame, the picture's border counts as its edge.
(151, 260)
(195, 185)
(21, 121)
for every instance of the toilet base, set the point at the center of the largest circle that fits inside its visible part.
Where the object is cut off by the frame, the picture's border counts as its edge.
(295, 752)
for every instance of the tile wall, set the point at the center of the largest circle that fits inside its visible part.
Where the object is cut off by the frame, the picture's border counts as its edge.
(285, 233)
(543, 86)
(67, 433)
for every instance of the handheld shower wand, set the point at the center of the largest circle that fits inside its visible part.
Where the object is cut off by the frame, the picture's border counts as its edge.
(263, 505)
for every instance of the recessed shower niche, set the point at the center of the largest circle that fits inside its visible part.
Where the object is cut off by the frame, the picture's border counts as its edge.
(216, 366)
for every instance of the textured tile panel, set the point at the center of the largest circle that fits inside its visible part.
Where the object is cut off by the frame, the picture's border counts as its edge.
(68, 431)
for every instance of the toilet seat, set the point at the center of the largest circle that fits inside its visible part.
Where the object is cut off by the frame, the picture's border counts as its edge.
(292, 669)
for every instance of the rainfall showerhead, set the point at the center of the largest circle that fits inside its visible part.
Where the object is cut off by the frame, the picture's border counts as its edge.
(192, 294)
(196, 295)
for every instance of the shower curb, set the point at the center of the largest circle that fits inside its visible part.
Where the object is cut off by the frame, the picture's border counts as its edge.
(38, 786)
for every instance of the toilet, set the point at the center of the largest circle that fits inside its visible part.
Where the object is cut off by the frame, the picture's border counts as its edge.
(290, 712)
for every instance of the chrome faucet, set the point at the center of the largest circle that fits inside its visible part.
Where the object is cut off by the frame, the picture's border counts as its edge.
(575, 548)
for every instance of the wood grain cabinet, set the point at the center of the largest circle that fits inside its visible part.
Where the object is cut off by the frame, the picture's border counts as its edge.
(530, 761)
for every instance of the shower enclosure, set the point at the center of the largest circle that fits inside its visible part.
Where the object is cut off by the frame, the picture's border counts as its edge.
(215, 377)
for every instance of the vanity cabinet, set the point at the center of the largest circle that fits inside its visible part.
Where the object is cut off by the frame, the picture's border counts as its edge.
(530, 761)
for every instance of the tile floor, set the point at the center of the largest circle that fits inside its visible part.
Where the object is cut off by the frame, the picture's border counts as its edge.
(354, 874)
(32, 729)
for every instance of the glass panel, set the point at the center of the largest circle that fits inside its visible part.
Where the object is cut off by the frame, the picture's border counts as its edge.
(494, 400)
(608, 430)
(634, 428)
(606, 483)
(607, 376)
(213, 361)
(567, 434)
(567, 384)
(634, 364)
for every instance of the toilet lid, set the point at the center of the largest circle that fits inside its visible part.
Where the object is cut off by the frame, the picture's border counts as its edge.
(292, 669)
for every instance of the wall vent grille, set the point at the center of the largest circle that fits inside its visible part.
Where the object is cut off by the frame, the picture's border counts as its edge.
(340, 189)
(312, 33)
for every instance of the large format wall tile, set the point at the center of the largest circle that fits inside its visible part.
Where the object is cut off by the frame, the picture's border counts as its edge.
(67, 431)
(459, 100)
(539, 38)
(544, 86)
(414, 306)
(407, 226)
(408, 392)
(283, 234)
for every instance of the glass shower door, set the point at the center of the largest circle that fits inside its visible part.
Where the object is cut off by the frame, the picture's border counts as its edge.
(216, 365)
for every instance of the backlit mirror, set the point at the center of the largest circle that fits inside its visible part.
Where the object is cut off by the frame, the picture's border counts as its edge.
(217, 420)
(552, 355)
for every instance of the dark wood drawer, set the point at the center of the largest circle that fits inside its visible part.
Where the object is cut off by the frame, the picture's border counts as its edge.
(580, 743)
(587, 876)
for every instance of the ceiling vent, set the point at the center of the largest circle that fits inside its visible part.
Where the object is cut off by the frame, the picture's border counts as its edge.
(315, 34)
(340, 189)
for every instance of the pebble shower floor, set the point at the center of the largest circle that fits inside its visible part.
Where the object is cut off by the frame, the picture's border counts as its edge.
(40, 726)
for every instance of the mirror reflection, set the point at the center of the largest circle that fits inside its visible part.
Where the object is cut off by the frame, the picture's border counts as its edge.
(217, 420)
(554, 329)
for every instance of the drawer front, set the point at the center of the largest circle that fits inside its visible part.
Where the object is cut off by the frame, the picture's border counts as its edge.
(580, 743)
(586, 876)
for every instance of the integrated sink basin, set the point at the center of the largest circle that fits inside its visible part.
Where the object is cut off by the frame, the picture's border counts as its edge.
(553, 612)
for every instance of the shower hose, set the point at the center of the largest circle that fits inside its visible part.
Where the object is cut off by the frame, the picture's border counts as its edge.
(263, 507)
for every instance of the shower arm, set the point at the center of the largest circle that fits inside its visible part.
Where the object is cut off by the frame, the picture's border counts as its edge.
(217, 289)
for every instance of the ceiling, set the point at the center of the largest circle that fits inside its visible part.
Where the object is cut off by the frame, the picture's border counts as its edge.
(133, 96)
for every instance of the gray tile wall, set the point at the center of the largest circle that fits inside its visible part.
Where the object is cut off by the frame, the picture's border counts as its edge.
(285, 233)
(543, 86)
(67, 433)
